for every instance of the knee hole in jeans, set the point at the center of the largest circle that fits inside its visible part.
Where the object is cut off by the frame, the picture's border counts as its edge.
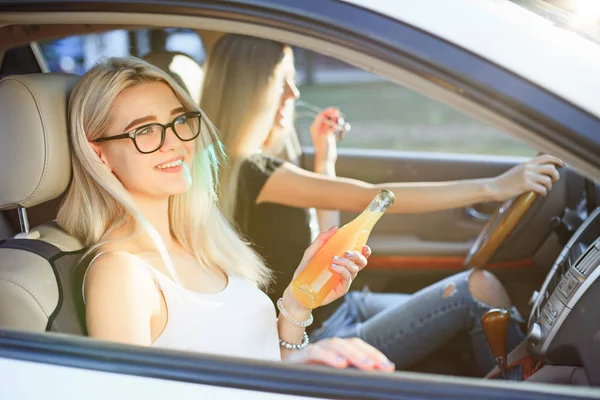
(485, 287)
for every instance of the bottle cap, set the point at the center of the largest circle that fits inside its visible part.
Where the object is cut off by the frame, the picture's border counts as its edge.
(382, 201)
(388, 194)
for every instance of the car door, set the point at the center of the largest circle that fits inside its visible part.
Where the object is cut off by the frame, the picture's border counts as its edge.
(72, 368)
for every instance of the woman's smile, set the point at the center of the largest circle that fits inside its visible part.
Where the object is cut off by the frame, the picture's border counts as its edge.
(171, 166)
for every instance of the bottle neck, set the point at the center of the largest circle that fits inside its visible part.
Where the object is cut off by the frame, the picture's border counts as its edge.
(381, 202)
(366, 220)
(370, 222)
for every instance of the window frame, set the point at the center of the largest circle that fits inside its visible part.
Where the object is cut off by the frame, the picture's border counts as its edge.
(258, 376)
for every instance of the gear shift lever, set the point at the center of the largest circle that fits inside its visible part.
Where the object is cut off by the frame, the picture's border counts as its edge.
(495, 326)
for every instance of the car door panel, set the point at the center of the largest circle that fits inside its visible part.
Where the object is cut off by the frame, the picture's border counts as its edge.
(70, 367)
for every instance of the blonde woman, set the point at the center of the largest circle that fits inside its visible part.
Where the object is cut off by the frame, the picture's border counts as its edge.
(169, 271)
(249, 93)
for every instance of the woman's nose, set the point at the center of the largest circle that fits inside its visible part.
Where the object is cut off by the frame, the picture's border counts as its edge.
(291, 90)
(171, 140)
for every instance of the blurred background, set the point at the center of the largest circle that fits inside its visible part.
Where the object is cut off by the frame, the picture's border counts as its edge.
(384, 115)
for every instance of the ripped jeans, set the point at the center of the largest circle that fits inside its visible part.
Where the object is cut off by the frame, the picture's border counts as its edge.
(409, 327)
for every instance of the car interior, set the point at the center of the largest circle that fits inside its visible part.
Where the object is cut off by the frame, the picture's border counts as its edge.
(549, 263)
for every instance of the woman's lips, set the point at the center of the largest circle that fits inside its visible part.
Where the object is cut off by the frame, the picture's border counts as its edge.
(172, 166)
(176, 168)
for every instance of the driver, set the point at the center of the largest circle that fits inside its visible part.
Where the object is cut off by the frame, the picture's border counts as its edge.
(249, 94)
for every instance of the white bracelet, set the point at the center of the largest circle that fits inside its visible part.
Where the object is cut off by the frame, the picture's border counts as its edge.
(293, 346)
(283, 311)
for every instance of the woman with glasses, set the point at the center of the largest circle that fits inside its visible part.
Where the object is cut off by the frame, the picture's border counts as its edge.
(169, 271)
(249, 94)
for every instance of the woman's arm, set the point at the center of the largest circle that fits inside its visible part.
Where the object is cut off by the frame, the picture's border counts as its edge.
(324, 142)
(293, 186)
(327, 218)
(288, 331)
(121, 298)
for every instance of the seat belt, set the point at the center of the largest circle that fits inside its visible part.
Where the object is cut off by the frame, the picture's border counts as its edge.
(69, 314)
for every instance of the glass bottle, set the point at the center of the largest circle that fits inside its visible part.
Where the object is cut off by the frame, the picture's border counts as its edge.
(315, 282)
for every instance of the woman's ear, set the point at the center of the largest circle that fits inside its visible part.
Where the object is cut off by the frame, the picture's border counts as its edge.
(98, 150)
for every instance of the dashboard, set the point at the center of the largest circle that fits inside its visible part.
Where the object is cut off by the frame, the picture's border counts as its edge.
(564, 324)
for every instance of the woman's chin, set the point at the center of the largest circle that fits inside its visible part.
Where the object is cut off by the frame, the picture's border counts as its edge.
(176, 188)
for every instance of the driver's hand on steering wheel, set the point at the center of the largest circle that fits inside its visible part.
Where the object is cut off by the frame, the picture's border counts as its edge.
(536, 175)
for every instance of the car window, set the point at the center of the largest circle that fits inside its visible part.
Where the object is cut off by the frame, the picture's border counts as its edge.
(77, 54)
(384, 115)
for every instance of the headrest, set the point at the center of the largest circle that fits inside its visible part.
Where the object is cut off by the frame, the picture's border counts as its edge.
(182, 68)
(35, 160)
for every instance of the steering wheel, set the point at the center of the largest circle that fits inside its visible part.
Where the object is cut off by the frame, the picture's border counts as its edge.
(503, 222)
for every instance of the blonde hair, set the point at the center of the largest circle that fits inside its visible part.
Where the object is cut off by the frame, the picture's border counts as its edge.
(237, 96)
(103, 204)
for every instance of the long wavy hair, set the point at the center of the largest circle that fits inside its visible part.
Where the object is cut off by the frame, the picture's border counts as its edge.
(238, 96)
(102, 204)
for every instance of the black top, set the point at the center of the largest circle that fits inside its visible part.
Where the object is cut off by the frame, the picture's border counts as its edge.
(280, 234)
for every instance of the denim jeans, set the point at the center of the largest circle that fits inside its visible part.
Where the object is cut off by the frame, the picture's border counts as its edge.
(409, 327)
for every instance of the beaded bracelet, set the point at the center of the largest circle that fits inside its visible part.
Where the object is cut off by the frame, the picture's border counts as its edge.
(283, 311)
(294, 346)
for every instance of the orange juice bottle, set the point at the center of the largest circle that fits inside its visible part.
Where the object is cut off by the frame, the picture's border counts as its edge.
(315, 282)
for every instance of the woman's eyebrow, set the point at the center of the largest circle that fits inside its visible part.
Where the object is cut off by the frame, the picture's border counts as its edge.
(152, 117)
(177, 110)
(140, 120)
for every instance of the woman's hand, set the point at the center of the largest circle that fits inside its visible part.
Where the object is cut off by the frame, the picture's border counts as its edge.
(537, 175)
(343, 353)
(322, 132)
(347, 266)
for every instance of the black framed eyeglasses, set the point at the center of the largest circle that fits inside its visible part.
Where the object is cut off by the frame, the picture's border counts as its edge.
(149, 138)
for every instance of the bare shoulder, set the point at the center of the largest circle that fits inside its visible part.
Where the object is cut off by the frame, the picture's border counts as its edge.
(121, 298)
(117, 271)
(116, 260)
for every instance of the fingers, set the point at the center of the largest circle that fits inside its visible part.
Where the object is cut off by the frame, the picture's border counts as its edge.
(319, 354)
(549, 170)
(548, 159)
(541, 173)
(543, 178)
(359, 354)
(539, 183)
(331, 113)
(546, 181)
(357, 258)
(342, 353)
(539, 189)
(347, 272)
(328, 120)
(349, 265)
(377, 356)
(366, 251)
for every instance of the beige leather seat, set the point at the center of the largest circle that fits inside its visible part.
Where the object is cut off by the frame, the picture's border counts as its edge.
(38, 289)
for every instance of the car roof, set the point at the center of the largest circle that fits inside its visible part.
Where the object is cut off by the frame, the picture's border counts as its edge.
(537, 49)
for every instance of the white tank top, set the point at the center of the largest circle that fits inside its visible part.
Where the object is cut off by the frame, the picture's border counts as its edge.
(239, 321)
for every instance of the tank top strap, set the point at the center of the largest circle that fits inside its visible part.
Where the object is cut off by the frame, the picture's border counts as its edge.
(148, 267)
